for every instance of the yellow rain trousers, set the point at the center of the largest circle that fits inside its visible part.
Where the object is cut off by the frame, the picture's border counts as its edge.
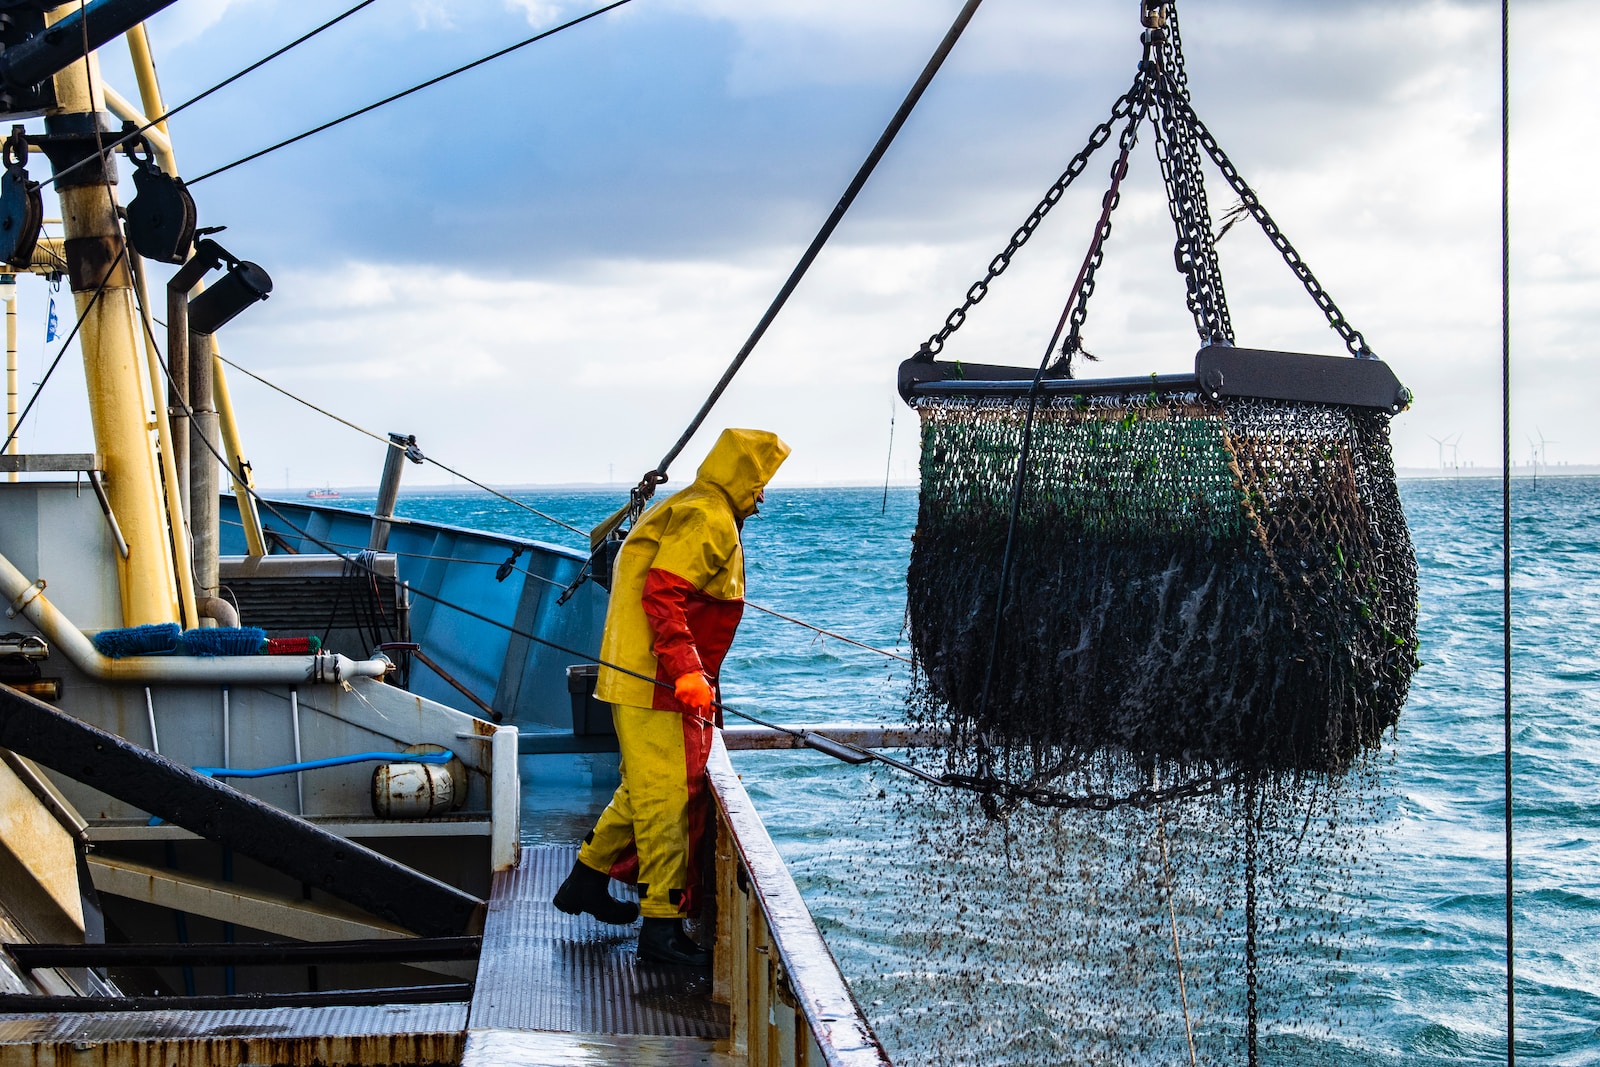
(676, 597)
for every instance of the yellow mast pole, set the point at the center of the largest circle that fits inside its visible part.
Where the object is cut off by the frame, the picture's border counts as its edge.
(169, 464)
(11, 368)
(144, 72)
(116, 383)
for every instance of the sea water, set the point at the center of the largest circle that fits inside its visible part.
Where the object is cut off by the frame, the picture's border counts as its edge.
(1420, 954)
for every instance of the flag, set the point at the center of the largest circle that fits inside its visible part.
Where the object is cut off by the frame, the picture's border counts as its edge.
(50, 323)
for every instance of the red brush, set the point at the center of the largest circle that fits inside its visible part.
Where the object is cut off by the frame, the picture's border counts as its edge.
(293, 646)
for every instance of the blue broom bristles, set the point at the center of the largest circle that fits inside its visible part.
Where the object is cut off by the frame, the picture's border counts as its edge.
(224, 641)
(151, 639)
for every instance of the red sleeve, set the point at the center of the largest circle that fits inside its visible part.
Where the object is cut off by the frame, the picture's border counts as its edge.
(665, 598)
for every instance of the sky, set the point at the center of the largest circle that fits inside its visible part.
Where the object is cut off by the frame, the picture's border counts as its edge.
(541, 267)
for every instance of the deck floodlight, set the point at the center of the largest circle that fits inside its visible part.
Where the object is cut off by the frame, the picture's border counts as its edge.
(245, 283)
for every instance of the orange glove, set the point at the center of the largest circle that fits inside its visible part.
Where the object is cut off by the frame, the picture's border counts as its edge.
(694, 692)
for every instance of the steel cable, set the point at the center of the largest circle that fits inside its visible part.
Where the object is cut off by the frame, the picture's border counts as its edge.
(402, 94)
(659, 475)
(1505, 511)
(224, 83)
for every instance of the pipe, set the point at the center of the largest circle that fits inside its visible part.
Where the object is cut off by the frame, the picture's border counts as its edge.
(401, 447)
(204, 448)
(218, 610)
(244, 482)
(172, 486)
(124, 109)
(178, 380)
(27, 599)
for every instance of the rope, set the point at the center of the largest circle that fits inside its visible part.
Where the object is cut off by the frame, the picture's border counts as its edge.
(1177, 949)
(828, 633)
(1505, 507)
(407, 92)
(385, 441)
(659, 474)
(224, 83)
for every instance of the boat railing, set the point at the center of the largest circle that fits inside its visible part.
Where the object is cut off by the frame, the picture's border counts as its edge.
(788, 1001)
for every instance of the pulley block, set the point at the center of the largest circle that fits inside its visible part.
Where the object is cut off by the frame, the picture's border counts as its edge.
(21, 204)
(161, 218)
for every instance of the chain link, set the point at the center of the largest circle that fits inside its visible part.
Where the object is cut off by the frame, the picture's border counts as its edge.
(997, 266)
(1353, 340)
(1194, 253)
(1119, 170)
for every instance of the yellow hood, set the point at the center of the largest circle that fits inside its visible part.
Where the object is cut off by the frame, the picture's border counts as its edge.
(741, 464)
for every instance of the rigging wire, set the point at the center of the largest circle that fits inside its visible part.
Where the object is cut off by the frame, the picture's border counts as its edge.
(528, 507)
(809, 738)
(223, 84)
(407, 92)
(888, 463)
(1505, 508)
(76, 326)
(562, 585)
(659, 474)
(385, 441)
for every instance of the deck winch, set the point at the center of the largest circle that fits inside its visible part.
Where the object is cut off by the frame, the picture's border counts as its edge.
(1207, 572)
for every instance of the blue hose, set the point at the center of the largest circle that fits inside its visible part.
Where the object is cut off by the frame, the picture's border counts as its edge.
(435, 758)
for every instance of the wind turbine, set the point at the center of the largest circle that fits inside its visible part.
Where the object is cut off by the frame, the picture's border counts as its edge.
(1444, 443)
(1441, 443)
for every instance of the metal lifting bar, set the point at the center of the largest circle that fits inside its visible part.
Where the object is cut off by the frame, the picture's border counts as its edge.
(27, 64)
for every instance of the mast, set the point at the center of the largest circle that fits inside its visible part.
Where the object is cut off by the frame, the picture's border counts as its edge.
(119, 392)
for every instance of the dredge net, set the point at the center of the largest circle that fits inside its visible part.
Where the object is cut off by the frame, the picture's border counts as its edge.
(1197, 589)
(1209, 623)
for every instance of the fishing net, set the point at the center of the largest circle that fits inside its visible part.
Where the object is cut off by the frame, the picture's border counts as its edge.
(1194, 584)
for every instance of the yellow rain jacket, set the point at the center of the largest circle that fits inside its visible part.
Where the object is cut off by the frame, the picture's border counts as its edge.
(677, 594)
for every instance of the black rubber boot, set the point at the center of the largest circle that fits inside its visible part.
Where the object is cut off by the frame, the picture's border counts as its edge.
(588, 890)
(663, 941)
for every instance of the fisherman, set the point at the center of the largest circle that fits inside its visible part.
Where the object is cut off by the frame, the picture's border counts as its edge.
(676, 596)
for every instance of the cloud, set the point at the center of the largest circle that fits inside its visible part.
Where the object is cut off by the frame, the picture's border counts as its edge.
(544, 265)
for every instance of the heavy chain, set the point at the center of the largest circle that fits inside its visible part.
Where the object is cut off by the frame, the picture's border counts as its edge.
(1353, 340)
(1119, 170)
(1009, 794)
(997, 266)
(1194, 252)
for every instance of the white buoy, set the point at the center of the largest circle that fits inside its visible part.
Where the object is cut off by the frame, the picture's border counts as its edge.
(411, 791)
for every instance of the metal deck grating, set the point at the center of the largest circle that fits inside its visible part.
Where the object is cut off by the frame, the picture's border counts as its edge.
(392, 1033)
(544, 971)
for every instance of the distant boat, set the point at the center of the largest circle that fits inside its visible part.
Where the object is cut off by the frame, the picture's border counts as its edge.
(323, 494)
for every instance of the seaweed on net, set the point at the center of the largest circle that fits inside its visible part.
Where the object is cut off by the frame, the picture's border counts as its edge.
(1215, 586)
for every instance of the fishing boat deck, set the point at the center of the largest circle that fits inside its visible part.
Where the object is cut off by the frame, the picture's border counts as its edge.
(555, 988)
(392, 1033)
